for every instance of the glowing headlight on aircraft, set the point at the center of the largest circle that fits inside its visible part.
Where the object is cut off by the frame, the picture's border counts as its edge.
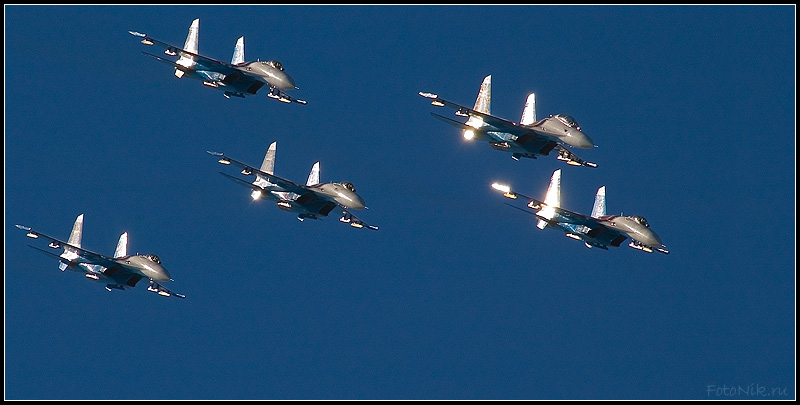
(501, 187)
(469, 134)
(505, 189)
(255, 194)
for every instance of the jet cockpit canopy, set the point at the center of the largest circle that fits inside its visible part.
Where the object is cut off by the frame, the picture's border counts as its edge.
(568, 121)
(349, 186)
(274, 63)
(640, 220)
(153, 258)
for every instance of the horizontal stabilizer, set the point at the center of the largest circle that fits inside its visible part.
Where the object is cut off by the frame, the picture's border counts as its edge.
(168, 62)
(452, 122)
(61, 259)
(521, 209)
(476, 134)
(242, 182)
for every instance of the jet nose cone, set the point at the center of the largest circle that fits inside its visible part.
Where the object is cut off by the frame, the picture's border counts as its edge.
(583, 141)
(357, 203)
(288, 82)
(651, 239)
(162, 275)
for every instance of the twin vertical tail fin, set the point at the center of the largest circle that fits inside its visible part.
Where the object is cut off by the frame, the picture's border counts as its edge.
(484, 101)
(238, 52)
(551, 201)
(190, 46)
(313, 177)
(74, 240)
(267, 166)
(122, 246)
(599, 208)
(483, 104)
(529, 112)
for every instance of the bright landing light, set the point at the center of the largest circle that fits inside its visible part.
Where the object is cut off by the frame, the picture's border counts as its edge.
(501, 187)
(469, 134)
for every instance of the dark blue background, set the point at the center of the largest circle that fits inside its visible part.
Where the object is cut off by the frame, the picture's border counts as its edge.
(457, 296)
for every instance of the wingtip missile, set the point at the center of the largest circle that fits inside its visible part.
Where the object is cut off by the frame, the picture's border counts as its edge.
(222, 159)
(501, 187)
(505, 189)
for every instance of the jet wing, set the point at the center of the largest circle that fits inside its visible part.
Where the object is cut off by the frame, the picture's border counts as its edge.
(571, 158)
(499, 124)
(251, 186)
(247, 170)
(565, 215)
(277, 94)
(479, 134)
(163, 291)
(235, 79)
(172, 50)
(86, 256)
(354, 221)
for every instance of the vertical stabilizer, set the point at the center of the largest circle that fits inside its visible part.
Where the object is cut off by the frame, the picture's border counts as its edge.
(484, 101)
(482, 104)
(599, 208)
(267, 166)
(529, 112)
(122, 246)
(313, 177)
(74, 240)
(552, 200)
(191, 46)
(238, 52)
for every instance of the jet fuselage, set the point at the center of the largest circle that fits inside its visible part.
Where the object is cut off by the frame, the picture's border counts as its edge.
(630, 226)
(571, 135)
(271, 72)
(343, 193)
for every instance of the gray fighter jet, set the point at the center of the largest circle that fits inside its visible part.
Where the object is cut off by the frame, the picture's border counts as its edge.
(237, 79)
(528, 138)
(116, 272)
(598, 230)
(309, 201)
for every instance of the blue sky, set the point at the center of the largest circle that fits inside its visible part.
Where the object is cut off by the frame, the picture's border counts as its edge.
(457, 296)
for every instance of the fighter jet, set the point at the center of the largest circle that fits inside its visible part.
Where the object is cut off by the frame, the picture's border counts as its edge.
(309, 201)
(116, 272)
(528, 138)
(598, 230)
(237, 79)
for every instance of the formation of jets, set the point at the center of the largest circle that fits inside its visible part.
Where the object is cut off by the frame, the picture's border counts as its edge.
(527, 138)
